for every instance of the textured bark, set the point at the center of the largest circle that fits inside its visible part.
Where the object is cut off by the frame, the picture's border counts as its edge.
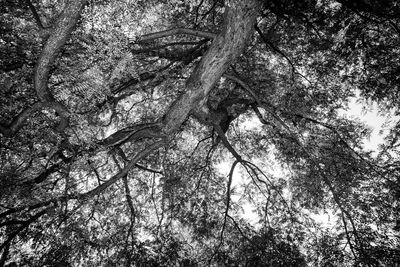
(58, 37)
(157, 35)
(227, 46)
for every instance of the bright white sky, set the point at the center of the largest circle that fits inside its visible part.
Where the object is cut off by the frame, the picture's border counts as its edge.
(379, 123)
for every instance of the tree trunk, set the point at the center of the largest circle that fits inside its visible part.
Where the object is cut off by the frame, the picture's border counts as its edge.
(238, 25)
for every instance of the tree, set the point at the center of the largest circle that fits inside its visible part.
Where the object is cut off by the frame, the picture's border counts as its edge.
(116, 116)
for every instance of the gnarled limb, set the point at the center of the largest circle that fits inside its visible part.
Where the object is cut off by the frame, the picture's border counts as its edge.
(58, 37)
(226, 47)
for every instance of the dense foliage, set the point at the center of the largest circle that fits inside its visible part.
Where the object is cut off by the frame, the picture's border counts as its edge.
(196, 133)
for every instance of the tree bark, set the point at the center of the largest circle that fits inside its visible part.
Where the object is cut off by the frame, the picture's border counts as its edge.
(239, 21)
(58, 37)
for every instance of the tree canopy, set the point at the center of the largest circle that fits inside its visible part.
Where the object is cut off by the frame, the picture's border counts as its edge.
(198, 133)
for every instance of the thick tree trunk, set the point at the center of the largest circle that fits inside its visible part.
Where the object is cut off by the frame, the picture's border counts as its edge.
(227, 46)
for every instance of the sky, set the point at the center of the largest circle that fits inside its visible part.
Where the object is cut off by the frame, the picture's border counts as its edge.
(379, 123)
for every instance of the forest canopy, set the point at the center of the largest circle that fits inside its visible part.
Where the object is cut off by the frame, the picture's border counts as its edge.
(198, 133)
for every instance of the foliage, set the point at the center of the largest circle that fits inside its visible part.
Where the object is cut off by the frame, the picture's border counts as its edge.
(129, 137)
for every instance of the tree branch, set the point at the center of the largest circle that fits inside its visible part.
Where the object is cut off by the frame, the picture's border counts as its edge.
(228, 198)
(24, 225)
(258, 101)
(83, 196)
(226, 47)
(276, 49)
(132, 133)
(226, 143)
(176, 31)
(127, 192)
(18, 121)
(129, 198)
(35, 14)
(58, 37)
(226, 213)
(146, 151)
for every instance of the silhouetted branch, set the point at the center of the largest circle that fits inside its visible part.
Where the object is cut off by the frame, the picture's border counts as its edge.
(276, 49)
(24, 225)
(140, 155)
(35, 14)
(226, 143)
(227, 205)
(95, 191)
(197, 11)
(258, 100)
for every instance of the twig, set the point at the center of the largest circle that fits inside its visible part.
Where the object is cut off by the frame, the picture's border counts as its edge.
(257, 99)
(127, 191)
(276, 49)
(197, 11)
(35, 14)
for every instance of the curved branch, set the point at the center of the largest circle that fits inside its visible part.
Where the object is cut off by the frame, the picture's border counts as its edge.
(35, 14)
(276, 49)
(58, 37)
(258, 101)
(176, 31)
